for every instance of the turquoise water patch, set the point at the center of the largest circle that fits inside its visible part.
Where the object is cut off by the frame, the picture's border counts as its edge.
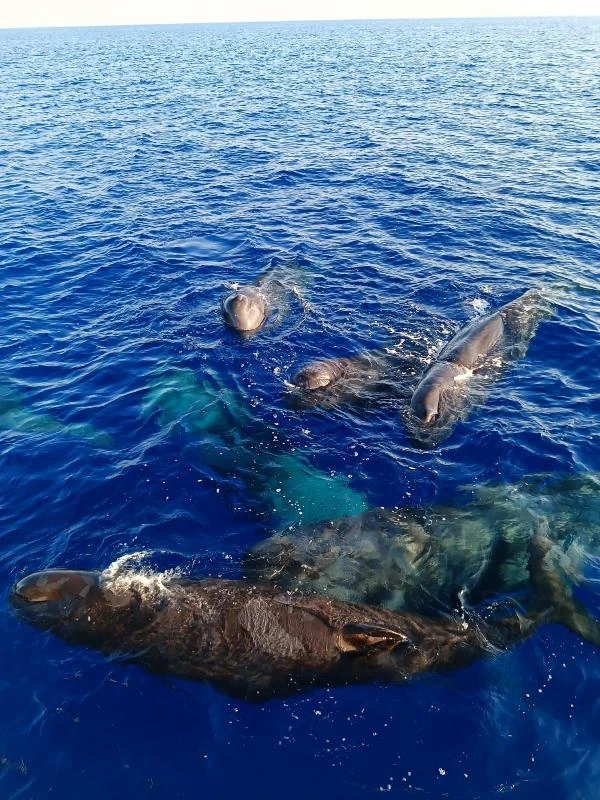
(229, 440)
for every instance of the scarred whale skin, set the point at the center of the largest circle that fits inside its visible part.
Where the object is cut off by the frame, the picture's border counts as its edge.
(257, 642)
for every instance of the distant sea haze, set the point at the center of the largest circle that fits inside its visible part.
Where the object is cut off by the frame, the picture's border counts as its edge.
(399, 179)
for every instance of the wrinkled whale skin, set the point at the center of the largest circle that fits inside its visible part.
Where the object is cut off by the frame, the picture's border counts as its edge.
(257, 642)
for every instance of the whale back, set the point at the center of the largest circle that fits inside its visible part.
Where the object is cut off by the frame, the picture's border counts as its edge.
(474, 342)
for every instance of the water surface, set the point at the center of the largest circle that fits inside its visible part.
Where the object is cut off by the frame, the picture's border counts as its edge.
(406, 177)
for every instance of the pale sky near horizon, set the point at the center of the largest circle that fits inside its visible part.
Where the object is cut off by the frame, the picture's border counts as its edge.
(42, 13)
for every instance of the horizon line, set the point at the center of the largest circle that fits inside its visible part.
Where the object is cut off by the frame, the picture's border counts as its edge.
(59, 26)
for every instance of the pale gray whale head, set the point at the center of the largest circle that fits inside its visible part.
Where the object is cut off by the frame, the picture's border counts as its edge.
(245, 309)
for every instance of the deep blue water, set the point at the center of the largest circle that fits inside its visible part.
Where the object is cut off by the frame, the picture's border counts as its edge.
(404, 177)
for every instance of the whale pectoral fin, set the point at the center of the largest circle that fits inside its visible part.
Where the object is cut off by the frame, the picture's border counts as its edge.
(363, 636)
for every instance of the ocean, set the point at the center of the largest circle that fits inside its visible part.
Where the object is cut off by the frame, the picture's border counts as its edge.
(400, 178)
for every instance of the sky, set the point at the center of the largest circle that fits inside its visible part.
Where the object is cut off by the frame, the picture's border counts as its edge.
(42, 13)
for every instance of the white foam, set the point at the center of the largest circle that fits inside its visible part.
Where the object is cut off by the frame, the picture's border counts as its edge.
(463, 376)
(127, 572)
(480, 305)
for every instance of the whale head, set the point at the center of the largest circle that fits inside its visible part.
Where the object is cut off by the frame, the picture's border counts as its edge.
(425, 403)
(245, 310)
(318, 375)
(76, 606)
(429, 403)
(55, 586)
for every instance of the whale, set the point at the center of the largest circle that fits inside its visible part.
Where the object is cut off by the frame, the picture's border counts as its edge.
(249, 308)
(320, 374)
(221, 432)
(17, 418)
(358, 380)
(245, 309)
(440, 557)
(482, 348)
(256, 642)
(332, 381)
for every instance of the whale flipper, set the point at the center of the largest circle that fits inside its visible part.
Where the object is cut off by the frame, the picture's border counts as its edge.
(365, 636)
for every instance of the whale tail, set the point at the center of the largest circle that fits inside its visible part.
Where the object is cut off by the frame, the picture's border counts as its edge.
(551, 601)
(552, 596)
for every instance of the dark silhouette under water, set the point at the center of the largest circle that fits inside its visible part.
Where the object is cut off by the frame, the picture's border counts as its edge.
(257, 642)
(439, 557)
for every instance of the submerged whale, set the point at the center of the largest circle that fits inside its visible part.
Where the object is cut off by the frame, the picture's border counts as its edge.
(444, 393)
(439, 557)
(225, 436)
(257, 642)
(15, 417)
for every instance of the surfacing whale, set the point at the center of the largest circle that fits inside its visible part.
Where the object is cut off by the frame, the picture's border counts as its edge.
(245, 309)
(257, 642)
(248, 308)
(356, 380)
(480, 350)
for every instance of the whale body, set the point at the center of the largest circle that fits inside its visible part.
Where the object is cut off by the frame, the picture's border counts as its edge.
(483, 347)
(257, 642)
(439, 557)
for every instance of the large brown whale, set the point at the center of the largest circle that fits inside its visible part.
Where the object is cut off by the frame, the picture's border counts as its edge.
(443, 393)
(258, 642)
